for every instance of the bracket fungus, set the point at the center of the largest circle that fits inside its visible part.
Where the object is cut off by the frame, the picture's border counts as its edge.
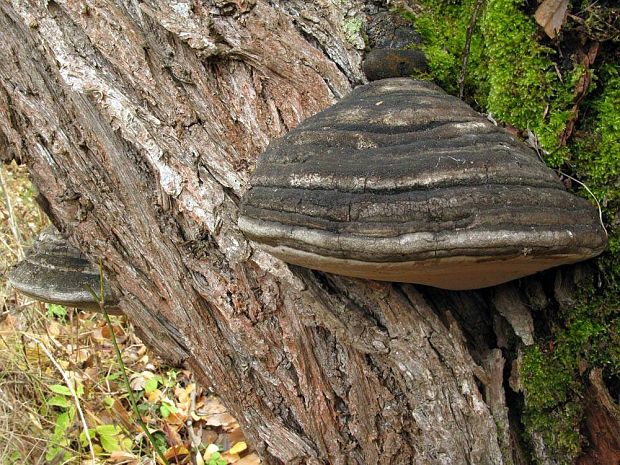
(393, 48)
(54, 271)
(400, 181)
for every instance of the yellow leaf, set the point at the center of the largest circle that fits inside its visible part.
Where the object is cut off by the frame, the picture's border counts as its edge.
(153, 396)
(238, 448)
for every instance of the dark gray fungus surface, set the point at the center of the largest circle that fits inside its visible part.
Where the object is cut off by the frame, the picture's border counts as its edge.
(54, 271)
(401, 182)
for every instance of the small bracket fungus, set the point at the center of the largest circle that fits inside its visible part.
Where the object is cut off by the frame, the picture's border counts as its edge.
(393, 51)
(401, 182)
(53, 271)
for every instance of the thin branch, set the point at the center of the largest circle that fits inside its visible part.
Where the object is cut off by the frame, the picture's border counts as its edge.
(69, 384)
(189, 424)
(532, 140)
(470, 33)
(600, 209)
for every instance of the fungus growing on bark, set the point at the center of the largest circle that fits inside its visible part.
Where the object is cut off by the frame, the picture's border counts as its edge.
(401, 182)
(54, 271)
(393, 51)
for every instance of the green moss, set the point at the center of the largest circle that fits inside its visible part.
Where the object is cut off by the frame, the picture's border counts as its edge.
(520, 78)
(553, 379)
(443, 43)
(509, 74)
(523, 83)
(596, 160)
(526, 89)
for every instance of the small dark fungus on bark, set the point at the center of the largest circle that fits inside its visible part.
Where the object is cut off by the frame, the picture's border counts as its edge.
(54, 271)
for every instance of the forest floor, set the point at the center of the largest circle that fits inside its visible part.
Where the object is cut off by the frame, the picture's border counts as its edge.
(47, 349)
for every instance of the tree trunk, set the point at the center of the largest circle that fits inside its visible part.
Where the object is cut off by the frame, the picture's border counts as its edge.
(140, 122)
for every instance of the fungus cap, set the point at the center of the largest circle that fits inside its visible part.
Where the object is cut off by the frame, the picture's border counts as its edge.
(401, 182)
(54, 271)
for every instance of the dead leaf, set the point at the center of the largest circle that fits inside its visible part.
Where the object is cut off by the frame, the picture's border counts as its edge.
(102, 335)
(176, 418)
(235, 436)
(122, 415)
(210, 406)
(208, 436)
(177, 454)
(120, 457)
(172, 436)
(586, 59)
(551, 15)
(137, 381)
(153, 397)
(225, 420)
(251, 459)
(230, 458)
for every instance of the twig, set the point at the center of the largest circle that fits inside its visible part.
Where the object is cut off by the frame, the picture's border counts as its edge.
(195, 439)
(70, 386)
(100, 299)
(532, 140)
(600, 210)
(470, 33)
(12, 221)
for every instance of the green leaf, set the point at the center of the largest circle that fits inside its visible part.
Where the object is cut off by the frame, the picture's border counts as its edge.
(171, 378)
(164, 410)
(59, 401)
(167, 408)
(127, 444)
(53, 452)
(108, 437)
(160, 441)
(109, 443)
(56, 311)
(82, 436)
(62, 424)
(151, 385)
(114, 376)
(60, 389)
(107, 430)
(71, 412)
(108, 401)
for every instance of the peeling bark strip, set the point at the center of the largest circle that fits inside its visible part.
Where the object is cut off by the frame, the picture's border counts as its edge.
(140, 122)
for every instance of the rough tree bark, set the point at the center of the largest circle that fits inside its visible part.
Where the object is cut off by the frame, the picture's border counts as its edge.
(140, 122)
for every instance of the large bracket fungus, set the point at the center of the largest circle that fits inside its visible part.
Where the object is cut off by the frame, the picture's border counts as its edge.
(401, 182)
(54, 271)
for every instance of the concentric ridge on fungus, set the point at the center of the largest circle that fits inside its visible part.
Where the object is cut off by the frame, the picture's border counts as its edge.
(401, 182)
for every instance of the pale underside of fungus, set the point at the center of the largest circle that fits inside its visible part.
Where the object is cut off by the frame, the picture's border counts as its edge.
(401, 182)
(54, 271)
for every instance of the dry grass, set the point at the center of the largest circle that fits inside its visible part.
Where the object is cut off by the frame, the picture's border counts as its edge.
(46, 349)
